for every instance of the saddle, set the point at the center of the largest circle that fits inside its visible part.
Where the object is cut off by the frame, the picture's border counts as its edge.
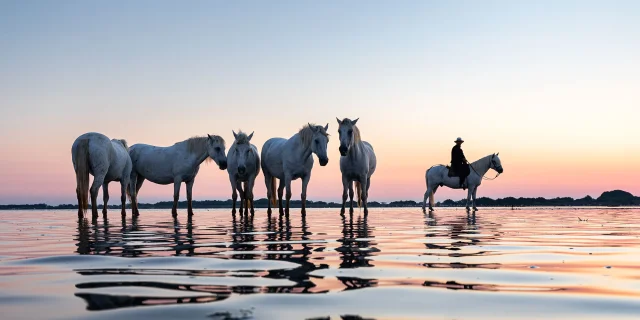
(452, 172)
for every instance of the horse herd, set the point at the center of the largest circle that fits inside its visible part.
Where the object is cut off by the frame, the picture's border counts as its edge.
(282, 159)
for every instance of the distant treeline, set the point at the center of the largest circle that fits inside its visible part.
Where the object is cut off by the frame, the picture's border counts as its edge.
(609, 198)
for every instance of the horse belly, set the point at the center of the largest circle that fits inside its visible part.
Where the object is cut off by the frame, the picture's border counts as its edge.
(352, 176)
(351, 171)
(272, 163)
(154, 164)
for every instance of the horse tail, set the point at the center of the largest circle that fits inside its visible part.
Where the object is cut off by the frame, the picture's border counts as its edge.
(426, 179)
(359, 193)
(273, 191)
(431, 198)
(128, 192)
(82, 173)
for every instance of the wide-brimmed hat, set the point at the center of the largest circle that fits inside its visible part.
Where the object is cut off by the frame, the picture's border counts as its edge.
(459, 140)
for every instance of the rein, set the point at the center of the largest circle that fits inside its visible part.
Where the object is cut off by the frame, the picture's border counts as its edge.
(483, 177)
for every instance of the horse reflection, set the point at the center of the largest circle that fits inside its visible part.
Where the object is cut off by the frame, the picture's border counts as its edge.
(280, 240)
(96, 237)
(243, 237)
(97, 302)
(188, 242)
(355, 249)
(461, 232)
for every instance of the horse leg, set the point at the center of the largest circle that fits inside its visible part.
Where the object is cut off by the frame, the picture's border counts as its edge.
(280, 196)
(345, 183)
(469, 192)
(364, 186)
(134, 198)
(124, 184)
(105, 196)
(287, 184)
(97, 182)
(303, 196)
(365, 197)
(433, 193)
(176, 196)
(350, 196)
(267, 182)
(80, 211)
(249, 190)
(242, 195)
(424, 202)
(234, 194)
(133, 191)
(189, 196)
(246, 197)
(474, 198)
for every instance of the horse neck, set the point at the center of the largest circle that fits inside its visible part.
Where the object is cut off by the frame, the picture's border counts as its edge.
(299, 149)
(481, 166)
(355, 150)
(199, 156)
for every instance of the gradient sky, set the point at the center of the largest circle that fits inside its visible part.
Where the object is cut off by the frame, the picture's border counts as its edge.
(554, 86)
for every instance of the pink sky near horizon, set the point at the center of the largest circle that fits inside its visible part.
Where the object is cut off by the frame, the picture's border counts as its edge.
(47, 176)
(554, 87)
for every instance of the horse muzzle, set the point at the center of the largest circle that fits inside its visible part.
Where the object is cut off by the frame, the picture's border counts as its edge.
(223, 165)
(343, 150)
(324, 161)
(242, 170)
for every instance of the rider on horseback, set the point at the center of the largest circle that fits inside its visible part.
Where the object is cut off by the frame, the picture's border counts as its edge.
(459, 163)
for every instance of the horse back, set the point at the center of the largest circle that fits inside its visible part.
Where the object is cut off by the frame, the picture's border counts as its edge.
(100, 152)
(371, 155)
(271, 156)
(257, 158)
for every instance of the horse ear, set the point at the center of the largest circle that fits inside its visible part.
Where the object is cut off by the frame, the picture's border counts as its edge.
(339, 122)
(210, 138)
(326, 128)
(497, 153)
(235, 136)
(250, 136)
(354, 121)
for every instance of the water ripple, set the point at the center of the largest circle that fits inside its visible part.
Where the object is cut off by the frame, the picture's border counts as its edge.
(388, 264)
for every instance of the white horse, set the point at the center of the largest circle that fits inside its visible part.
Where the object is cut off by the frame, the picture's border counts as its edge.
(107, 160)
(291, 159)
(176, 164)
(357, 163)
(437, 176)
(243, 166)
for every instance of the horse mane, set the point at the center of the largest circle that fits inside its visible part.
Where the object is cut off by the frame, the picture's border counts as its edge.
(480, 161)
(306, 133)
(356, 131)
(198, 144)
(124, 143)
(242, 138)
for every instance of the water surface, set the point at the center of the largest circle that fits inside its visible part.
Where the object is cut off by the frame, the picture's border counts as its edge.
(392, 264)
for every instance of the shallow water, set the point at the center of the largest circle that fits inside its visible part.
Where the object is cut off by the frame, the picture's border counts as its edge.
(394, 264)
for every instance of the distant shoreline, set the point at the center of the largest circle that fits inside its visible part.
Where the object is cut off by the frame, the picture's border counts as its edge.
(615, 198)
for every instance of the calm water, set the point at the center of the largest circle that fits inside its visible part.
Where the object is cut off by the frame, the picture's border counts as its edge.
(393, 264)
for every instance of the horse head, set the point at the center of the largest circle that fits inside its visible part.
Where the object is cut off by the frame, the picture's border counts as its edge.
(216, 150)
(348, 134)
(319, 142)
(242, 150)
(496, 164)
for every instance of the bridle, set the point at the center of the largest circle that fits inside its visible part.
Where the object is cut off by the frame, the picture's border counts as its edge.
(492, 165)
